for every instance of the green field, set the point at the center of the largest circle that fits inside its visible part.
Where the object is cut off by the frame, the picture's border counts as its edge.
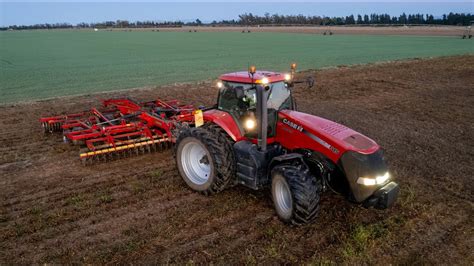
(43, 64)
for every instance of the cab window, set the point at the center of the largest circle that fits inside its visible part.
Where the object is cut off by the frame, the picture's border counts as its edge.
(237, 98)
(279, 97)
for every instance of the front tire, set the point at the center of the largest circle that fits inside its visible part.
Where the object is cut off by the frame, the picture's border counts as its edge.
(205, 159)
(295, 193)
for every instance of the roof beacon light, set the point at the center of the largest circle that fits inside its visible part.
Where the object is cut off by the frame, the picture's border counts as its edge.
(293, 66)
(252, 70)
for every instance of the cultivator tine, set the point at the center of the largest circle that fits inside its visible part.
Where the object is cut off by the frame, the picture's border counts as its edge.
(136, 151)
(126, 150)
(159, 146)
(148, 148)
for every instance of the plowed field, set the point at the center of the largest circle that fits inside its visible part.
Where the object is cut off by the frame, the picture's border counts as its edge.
(54, 210)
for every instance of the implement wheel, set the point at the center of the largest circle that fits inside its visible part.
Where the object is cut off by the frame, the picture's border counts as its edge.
(205, 158)
(296, 193)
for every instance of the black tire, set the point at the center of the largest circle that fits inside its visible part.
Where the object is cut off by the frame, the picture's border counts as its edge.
(219, 154)
(305, 190)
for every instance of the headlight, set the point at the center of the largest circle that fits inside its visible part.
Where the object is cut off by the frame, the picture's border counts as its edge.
(287, 77)
(249, 124)
(219, 84)
(264, 81)
(367, 181)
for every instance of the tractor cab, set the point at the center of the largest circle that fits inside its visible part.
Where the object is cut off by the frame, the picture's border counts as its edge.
(239, 97)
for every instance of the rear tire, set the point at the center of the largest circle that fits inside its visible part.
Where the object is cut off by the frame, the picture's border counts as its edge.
(205, 158)
(295, 193)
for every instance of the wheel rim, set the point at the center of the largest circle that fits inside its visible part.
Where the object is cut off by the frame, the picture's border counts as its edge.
(283, 197)
(195, 162)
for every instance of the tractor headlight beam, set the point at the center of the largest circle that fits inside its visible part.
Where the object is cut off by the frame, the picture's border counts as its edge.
(250, 124)
(378, 180)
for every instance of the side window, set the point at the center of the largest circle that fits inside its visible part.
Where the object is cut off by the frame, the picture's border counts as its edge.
(280, 97)
(228, 98)
(237, 98)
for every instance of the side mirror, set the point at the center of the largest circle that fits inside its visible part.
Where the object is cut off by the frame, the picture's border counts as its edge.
(309, 81)
(291, 82)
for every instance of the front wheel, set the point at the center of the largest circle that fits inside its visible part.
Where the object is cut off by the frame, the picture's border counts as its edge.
(296, 193)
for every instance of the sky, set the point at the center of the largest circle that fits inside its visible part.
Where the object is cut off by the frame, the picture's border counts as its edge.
(56, 11)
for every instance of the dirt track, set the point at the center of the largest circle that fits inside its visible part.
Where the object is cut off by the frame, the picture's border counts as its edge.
(138, 210)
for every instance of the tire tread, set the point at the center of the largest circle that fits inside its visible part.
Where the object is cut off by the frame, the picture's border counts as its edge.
(306, 190)
(219, 145)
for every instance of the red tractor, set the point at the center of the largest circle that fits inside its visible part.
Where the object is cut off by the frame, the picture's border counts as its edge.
(254, 136)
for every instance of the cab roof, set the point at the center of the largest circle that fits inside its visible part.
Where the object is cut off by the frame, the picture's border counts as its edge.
(245, 77)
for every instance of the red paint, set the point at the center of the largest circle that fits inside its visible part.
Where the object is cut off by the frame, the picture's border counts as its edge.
(245, 77)
(225, 121)
(334, 134)
(336, 137)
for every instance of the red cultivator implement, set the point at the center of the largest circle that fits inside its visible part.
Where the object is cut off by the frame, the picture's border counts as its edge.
(122, 127)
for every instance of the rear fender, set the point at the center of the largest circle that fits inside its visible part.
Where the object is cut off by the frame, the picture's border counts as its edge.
(226, 122)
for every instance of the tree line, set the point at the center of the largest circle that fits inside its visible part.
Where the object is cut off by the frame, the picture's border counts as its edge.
(371, 19)
(460, 19)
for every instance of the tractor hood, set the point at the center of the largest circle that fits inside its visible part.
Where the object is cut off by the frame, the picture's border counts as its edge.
(332, 135)
(356, 154)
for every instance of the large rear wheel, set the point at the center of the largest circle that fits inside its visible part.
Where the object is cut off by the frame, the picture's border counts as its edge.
(205, 158)
(296, 193)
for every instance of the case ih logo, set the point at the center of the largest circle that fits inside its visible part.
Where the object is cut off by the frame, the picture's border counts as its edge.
(293, 125)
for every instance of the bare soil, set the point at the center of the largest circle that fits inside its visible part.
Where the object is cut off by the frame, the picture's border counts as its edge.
(356, 30)
(54, 210)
